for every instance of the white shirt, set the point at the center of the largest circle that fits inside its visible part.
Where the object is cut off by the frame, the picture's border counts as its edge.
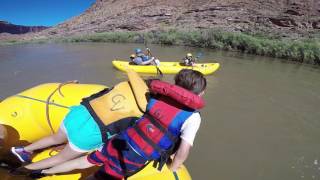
(190, 127)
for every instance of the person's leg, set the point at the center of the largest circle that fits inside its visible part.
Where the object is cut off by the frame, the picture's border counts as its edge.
(24, 153)
(66, 154)
(57, 138)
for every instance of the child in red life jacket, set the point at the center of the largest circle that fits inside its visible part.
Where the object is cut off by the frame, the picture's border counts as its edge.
(171, 120)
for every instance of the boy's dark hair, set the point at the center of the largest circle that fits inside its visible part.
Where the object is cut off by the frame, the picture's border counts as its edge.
(191, 80)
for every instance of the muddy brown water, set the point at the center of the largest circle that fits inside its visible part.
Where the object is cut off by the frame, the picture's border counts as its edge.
(262, 119)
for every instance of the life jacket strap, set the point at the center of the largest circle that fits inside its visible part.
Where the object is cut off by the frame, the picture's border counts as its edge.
(148, 140)
(172, 137)
(107, 131)
(96, 95)
(159, 163)
(86, 103)
(164, 154)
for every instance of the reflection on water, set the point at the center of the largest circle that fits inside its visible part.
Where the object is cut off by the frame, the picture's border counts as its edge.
(261, 118)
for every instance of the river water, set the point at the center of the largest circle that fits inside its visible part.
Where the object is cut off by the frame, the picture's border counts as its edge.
(262, 115)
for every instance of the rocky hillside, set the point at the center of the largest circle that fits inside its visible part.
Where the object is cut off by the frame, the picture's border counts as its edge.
(285, 17)
(6, 27)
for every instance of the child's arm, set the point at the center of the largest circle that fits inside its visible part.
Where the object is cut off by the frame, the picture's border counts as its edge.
(79, 163)
(180, 156)
(148, 61)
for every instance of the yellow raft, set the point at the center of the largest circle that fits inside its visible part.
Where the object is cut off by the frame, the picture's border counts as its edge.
(23, 120)
(166, 67)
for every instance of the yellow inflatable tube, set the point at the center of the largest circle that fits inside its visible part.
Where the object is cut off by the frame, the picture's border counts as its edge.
(26, 111)
(23, 120)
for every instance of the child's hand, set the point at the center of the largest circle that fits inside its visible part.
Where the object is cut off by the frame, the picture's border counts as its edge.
(44, 171)
(172, 168)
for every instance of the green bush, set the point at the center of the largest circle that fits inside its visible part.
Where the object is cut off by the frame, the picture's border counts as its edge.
(303, 50)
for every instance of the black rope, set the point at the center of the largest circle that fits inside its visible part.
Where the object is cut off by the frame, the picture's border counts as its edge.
(48, 101)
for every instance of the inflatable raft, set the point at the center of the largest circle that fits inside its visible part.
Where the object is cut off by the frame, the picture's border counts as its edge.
(166, 67)
(24, 119)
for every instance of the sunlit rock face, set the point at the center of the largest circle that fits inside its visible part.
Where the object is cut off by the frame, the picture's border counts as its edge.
(294, 18)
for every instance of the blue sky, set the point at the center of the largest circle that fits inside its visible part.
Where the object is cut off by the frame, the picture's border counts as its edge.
(41, 12)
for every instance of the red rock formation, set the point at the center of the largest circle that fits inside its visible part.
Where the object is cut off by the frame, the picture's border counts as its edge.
(6, 27)
(285, 17)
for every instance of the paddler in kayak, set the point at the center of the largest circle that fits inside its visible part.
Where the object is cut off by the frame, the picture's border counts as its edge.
(132, 56)
(189, 60)
(145, 58)
(168, 127)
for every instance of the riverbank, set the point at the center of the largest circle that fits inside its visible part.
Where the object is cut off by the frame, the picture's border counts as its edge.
(300, 50)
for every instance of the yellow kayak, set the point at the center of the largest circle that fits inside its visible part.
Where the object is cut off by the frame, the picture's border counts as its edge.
(23, 120)
(166, 67)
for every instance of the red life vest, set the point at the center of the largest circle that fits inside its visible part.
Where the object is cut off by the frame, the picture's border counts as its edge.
(155, 134)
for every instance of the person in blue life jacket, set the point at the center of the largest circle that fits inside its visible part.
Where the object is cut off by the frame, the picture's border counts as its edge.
(189, 60)
(167, 128)
(144, 58)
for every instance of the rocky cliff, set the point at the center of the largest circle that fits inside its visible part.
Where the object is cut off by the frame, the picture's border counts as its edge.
(284, 17)
(6, 27)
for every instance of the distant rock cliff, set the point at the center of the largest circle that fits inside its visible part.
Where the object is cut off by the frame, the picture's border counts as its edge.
(6, 27)
(285, 17)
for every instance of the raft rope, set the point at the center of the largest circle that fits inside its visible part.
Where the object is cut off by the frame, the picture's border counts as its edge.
(176, 177)
(39, 100)
(49, 97)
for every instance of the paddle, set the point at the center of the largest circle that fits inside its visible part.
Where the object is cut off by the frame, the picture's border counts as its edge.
(199, 55)
(156, 64)
(149, 52)
(150, 55)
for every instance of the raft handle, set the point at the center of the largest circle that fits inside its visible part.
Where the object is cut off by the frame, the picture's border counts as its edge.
(14, 114)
